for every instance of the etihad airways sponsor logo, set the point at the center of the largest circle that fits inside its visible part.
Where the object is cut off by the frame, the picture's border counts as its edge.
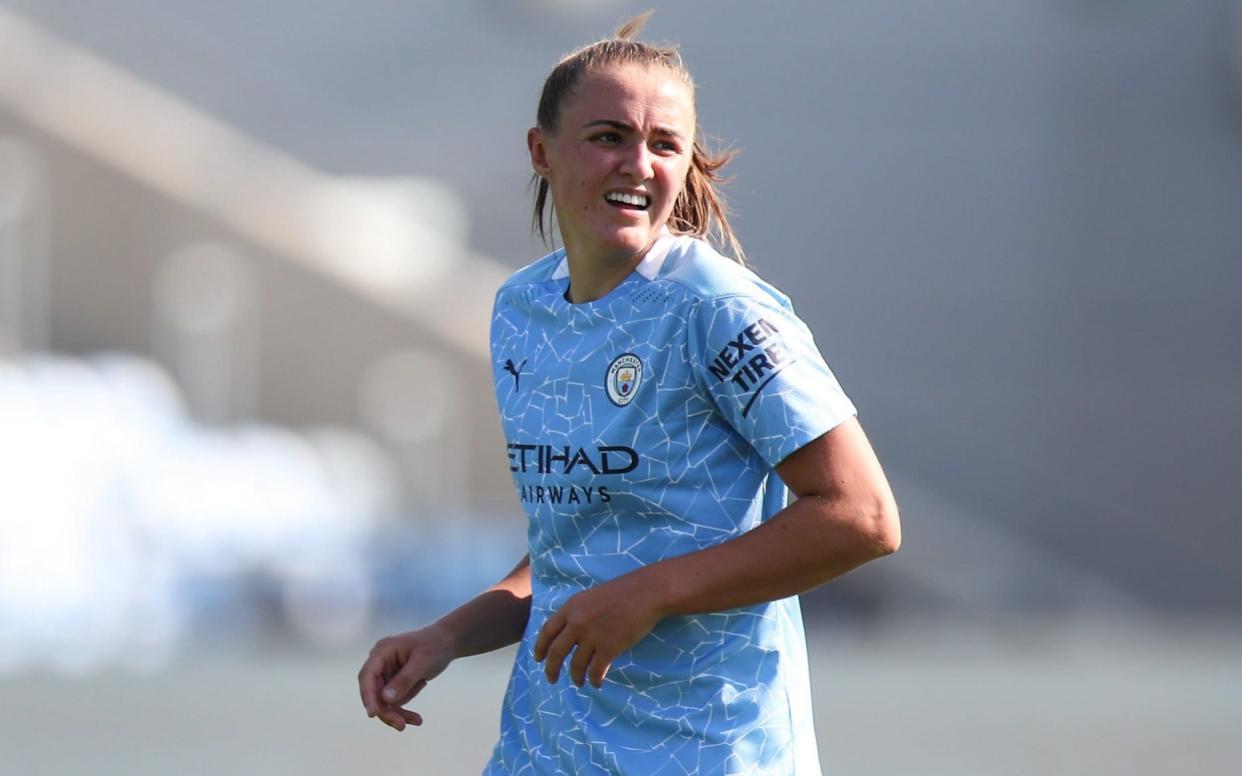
(563, 494)
(563, 459)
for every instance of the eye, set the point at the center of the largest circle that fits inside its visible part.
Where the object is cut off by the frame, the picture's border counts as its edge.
(667, 147)
(608, 138)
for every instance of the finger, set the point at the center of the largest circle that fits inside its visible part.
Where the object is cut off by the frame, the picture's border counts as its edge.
(406, 697)
(557, 652)
(390, 717)
(550, 630)
(369, 680)
(598, 669)
(397, 717)
(405, 684)
(578, 665)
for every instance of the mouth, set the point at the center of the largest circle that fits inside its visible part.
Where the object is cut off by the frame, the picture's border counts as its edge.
(627, 201)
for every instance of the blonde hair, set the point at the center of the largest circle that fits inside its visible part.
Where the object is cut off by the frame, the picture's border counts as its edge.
(700, 210)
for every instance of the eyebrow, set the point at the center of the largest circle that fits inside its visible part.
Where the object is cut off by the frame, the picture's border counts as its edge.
(629, 128)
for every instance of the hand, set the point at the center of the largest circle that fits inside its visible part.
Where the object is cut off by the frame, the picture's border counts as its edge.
(602, 622)
(398, 668)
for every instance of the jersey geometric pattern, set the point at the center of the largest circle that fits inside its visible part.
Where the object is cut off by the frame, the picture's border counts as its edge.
(643, 426)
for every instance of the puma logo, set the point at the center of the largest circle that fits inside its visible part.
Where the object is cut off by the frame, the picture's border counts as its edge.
(516, 371)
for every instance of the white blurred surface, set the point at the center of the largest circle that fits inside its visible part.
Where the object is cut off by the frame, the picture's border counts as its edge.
(122, 521)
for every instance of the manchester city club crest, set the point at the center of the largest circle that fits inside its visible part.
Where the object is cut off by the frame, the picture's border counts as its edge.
(624, 374)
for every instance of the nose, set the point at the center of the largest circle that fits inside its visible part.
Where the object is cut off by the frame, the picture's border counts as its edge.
(636, 162)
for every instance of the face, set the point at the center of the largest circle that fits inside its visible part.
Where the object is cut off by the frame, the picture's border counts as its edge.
(617, 160)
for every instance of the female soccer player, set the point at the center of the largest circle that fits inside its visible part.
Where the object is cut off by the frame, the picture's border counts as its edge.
(658, 401)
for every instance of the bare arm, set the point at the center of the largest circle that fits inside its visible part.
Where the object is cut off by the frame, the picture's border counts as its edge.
(844, 515)
(493, 619)
(400, 666)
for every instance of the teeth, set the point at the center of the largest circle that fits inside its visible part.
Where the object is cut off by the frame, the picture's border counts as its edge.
(638, 200)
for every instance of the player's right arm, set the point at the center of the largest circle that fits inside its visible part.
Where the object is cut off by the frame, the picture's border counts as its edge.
(400, 666)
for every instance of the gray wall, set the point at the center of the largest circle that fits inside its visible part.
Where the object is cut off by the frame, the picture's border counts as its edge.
(1014, 227)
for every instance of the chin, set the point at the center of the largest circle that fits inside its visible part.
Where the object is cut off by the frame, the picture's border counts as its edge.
(628, 242)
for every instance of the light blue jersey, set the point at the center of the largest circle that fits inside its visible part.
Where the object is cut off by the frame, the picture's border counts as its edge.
(643, 426)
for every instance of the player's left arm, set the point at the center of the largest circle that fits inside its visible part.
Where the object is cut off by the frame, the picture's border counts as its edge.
(843, 516)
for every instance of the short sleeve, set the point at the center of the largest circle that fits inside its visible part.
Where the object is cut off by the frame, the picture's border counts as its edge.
(759, 363)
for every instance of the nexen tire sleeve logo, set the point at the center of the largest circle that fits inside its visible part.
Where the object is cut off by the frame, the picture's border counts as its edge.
(751, 359)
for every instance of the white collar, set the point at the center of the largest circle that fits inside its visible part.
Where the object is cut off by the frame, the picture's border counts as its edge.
(649, 267)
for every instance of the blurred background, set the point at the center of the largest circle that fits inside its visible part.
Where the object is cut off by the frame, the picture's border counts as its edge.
(247, 254)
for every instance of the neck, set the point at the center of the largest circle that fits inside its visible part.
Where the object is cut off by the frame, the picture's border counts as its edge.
(588, 282)
(591, 279)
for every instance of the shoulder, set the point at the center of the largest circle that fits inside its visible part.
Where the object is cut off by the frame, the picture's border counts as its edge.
(707, 276)
(541, 270)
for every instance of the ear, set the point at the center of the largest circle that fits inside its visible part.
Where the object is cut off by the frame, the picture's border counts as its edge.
(538, 152)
